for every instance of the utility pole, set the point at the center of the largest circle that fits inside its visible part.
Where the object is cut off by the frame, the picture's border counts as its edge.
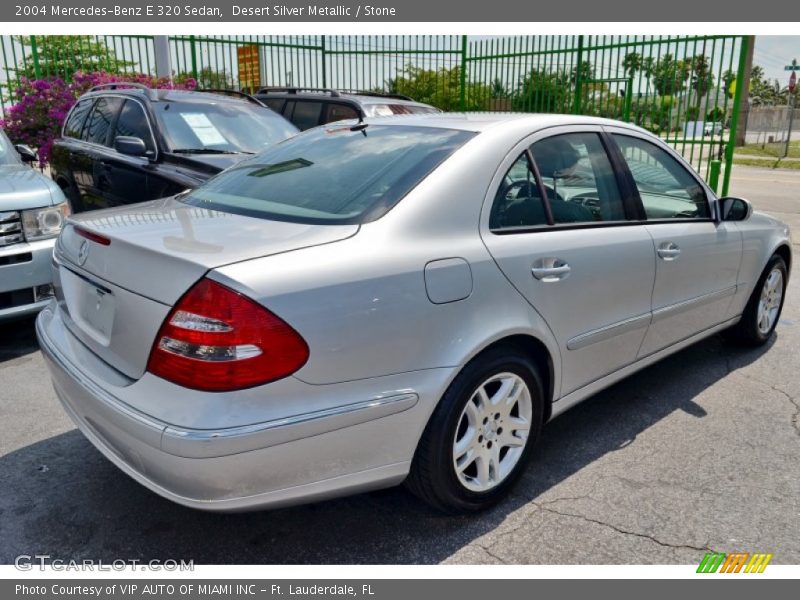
(744, 108)
(791, 101)
(162, 56)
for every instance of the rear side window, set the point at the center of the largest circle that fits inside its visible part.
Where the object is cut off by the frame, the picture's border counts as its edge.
(132, 122)
(578, 178)
(77, 117)
(667, 189)
(275, 104)
(306, 114)
(339, 112)
(98, 126)
(518, 202)
(331, 175)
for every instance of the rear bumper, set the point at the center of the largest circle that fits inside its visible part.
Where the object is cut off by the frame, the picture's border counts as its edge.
(355, 445)
(23, 268)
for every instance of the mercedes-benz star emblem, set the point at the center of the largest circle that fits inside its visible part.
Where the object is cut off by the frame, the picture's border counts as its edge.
(83, 252)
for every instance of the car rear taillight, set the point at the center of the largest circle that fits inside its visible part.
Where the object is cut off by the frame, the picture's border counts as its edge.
(92, 236)
(216, 339)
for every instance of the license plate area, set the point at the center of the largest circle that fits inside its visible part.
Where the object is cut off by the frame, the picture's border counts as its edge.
(90, 305)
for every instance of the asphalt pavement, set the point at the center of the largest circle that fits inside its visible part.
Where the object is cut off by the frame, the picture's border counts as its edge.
(698, 452)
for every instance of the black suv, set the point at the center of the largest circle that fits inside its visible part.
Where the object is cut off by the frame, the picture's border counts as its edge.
(124, 142)
(309, 107)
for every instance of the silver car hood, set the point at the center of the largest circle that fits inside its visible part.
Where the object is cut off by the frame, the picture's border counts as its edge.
(160, 248)
(22, 187)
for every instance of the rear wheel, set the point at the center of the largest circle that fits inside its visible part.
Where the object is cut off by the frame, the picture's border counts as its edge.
(760, 316)
(481, 435)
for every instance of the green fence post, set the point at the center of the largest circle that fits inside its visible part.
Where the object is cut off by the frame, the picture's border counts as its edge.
(737, 101)
(37, 71)
(576, 104)
(324, 63)
(713, 175)
(463, 74)
(626, 109)
(193, 50)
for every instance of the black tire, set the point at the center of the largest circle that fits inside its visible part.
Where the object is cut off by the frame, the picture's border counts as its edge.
(746, 331)
(433, 477)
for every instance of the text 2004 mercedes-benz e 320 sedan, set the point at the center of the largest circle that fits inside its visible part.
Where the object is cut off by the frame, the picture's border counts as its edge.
(404, 298)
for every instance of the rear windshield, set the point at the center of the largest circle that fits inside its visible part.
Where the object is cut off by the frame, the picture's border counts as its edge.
(332, 175)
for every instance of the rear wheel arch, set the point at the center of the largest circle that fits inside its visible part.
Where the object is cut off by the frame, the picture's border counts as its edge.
(434, 474)
(538, 352)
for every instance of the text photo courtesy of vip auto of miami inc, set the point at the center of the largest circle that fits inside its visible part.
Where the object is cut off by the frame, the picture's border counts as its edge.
(306, 298)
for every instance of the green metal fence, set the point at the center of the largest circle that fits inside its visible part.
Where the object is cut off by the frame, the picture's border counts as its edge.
(669, 85)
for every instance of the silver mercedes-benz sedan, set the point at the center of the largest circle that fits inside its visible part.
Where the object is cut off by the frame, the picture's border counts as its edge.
(399, 299)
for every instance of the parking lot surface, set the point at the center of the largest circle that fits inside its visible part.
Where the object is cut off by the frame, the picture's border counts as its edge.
(698, 452)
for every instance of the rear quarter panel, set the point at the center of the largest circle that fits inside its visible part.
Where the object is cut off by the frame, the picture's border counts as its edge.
(362, 305)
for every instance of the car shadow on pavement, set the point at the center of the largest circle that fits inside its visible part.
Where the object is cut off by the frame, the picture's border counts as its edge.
(62, 498)
(17, 338)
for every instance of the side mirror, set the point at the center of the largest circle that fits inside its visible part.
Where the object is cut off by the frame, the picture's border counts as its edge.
(26, 153)
(132, 146)
(735, 209)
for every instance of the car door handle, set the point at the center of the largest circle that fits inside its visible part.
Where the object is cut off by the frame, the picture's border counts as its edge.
(550, 269)
(668, 251)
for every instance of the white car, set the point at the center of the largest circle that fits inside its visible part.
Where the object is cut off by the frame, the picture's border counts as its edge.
(712, 128)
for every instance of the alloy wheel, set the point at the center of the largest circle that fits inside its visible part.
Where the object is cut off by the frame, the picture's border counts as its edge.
(492, 432)
(769, 304)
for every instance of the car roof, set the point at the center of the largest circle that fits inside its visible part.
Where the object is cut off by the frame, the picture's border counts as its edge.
(383, 100)
(167, 95)
(482, 121)
(364, 98)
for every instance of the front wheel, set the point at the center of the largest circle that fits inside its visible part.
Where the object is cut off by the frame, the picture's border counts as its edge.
(760, 316)
(481, 435)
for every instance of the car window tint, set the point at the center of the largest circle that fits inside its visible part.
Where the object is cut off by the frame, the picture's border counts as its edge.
(339, 112)
(132, 122)
(275, 104)
(578, 178)
(331, 175)
(99, 123)
(74, 124)
(518, 202)
(306, 114)
(667, 189)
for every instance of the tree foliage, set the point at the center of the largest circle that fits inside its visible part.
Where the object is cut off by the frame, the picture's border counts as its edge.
(64, 55)
(543, 91)
(765, 91)
(441, 88)
(210, 79)
(669, 75)
(702, 78)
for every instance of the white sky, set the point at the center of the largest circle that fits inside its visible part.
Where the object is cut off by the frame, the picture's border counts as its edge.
(773, 52)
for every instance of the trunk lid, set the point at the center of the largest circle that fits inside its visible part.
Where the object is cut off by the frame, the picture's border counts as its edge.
(116, 296)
